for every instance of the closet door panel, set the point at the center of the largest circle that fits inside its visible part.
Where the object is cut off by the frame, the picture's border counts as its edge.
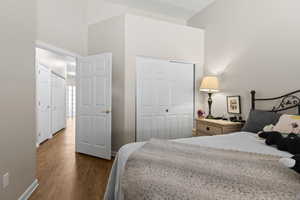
(53, 104)
(145, 128)
(172, 127)
(57, 99)
(58, 103)
(182, 98)
(165, 99)
(62, 102)
(162, 97)
(182, 88)
(44, 103)
(160, 127)
(186, 125)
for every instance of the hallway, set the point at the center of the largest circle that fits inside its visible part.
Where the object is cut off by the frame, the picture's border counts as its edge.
(65, 175)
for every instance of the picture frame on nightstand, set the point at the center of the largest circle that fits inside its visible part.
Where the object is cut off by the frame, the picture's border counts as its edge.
(234, 105)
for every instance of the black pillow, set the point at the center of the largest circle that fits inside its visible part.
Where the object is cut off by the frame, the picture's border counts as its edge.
(258, 119)
(293, 144)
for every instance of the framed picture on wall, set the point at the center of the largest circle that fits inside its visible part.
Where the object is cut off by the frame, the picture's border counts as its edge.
(234, 104)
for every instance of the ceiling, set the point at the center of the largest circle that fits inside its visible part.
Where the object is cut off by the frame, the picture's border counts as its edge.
(182, 9)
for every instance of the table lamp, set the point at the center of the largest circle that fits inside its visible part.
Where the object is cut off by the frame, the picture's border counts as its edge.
(210, 85)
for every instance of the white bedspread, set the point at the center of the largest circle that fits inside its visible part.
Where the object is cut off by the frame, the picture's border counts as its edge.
(241, 141)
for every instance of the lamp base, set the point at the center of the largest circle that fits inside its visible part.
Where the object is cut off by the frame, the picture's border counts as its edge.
(209, 117)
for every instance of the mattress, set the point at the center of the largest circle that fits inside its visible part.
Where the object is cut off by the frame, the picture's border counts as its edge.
(240, 141)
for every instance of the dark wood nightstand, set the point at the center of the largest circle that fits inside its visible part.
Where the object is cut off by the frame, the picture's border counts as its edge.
(210, 127)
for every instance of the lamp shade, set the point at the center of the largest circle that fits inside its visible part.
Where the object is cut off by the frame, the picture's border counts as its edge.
(210, 84)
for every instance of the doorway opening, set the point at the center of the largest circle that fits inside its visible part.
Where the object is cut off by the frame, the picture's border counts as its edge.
(75, 96)
(80, 83)
(55, 92)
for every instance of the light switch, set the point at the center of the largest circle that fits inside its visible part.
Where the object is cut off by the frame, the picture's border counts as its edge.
(5, 180)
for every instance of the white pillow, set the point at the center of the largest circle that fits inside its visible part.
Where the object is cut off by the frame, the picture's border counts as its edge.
(288, 124)
(269, 128)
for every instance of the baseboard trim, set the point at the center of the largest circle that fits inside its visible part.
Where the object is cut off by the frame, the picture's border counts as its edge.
(29, 190)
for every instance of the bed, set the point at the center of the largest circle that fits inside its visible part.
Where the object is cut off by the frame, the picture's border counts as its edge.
(239, 141)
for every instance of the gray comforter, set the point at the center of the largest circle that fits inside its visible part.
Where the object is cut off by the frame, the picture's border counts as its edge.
(171, 170)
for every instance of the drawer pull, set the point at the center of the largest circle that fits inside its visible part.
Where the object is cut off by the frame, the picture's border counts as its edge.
(207, 128)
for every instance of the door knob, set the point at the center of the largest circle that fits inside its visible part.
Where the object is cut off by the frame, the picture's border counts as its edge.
(167, 110)
(107, 111)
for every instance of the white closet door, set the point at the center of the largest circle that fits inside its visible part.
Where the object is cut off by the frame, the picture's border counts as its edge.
(43, 98)
(152, 99)
(64, 104)
(58, 103)
(54, 115)
(180, 117)
(165, 99)
(61, 103)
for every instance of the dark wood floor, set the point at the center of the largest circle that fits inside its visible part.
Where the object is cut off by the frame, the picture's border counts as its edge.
(64, 175)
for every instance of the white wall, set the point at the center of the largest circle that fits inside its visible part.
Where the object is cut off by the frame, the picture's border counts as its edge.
(62, 23)
(99, 10)
(158, 39)
(109, 36)
(17, 87)
(251, 45)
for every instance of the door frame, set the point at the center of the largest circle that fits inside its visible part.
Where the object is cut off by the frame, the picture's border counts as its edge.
(56, 50)
(170, 60)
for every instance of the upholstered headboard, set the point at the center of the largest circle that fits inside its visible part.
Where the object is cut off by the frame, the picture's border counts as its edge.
(286, 102)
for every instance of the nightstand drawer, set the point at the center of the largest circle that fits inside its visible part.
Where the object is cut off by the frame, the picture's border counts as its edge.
(209, 130)
(210, 127)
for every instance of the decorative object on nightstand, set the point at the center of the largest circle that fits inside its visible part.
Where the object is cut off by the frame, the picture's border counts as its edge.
(210, 85)
(210, 127)
(200, 113)
(234, 104)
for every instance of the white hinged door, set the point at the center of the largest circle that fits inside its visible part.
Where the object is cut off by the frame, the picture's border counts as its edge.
(93, 125)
